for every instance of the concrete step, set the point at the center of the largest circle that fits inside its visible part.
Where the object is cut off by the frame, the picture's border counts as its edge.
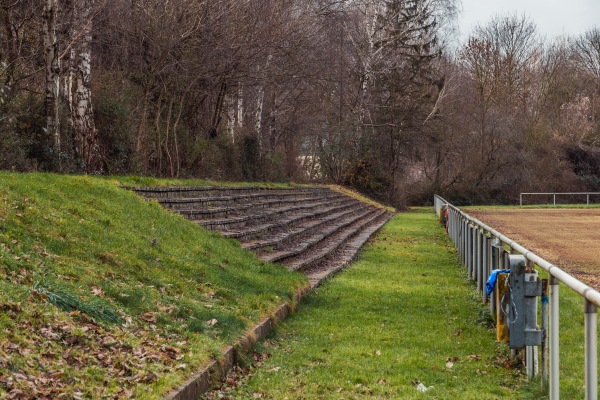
(329, 247)
(209, 191)
(345, 254)
(311, 229)
(267, 229)
(199, 203)
(249, 220)
(317, 237)
(197, 211)
(292, 234)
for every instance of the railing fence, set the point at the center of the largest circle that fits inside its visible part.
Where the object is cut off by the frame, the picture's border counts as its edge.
(482, 249)
(560, 194)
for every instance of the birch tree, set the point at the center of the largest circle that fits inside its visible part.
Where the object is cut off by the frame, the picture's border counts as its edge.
(80, 90)
(53, 68)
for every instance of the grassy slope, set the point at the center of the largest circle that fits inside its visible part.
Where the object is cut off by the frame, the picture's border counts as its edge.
(398, 315)
(132, 180)
(358, 196)
(159, 295)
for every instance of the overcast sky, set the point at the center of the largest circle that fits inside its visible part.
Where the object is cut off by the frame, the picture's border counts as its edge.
(552, 17)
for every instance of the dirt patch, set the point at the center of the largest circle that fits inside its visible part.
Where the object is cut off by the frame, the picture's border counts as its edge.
(569, 238)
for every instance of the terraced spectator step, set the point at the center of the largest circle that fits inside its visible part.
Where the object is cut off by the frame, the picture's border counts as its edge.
(316, 230)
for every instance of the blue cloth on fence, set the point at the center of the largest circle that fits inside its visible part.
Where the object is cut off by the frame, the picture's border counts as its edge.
(491, 282)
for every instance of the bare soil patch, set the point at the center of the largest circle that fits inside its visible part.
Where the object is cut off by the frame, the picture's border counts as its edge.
(569, 238)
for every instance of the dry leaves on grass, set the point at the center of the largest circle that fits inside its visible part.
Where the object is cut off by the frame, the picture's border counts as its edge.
(47, 356)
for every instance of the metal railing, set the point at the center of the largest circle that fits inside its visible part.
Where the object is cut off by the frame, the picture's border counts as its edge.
(554, 194)
(477, 245)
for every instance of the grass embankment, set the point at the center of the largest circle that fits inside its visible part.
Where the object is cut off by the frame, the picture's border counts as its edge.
(404, 314)
(358, 196)
(147, 181)
(103, 294)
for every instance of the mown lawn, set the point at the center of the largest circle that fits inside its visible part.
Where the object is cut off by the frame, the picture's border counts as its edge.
(105, 295)
(403, 314)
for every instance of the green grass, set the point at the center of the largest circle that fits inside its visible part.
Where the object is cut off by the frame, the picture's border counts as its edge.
(354, 194)
(143, 181)
(395, 318)
(105, 294)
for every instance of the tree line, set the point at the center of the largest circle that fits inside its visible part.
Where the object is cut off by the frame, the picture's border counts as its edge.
(374, 94)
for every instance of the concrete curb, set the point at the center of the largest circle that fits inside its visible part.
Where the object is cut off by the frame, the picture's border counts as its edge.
(217, 370)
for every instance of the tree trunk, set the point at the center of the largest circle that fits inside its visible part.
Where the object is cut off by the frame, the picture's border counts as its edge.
(82, 113)
(52, 71)
(260, 102)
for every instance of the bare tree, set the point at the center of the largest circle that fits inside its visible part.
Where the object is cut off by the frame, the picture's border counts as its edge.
(587, 51)
(52, 53)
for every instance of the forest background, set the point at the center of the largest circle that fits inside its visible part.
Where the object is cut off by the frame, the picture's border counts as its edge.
(378, 95)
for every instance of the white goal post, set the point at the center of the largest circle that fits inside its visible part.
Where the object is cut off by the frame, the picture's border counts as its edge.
(554, 194)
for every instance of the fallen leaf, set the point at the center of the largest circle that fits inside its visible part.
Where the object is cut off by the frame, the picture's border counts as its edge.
(148, 317)
(449, 364)
(212, 322)
(96, 291)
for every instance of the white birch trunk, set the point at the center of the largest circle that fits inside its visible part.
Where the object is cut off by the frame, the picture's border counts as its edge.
(230, 101)
(240, 107)
(369, 61)
(260, 102)
(52, 71)
(82, 113)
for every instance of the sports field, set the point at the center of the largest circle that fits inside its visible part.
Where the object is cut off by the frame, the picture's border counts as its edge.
(567, 237)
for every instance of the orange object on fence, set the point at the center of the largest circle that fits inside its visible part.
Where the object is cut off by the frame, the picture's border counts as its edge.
(502, 307)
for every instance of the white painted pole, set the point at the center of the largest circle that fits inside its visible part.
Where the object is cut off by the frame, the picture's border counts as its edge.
(484, 267)
(591, 351)
(554, 346)
(545, 329)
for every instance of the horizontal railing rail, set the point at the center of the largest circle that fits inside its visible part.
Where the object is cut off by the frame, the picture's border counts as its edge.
(476, 241)
(554, 194)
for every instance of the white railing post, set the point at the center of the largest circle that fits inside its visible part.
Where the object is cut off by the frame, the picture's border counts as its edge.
(484, 266)
(466, 233)
(480, 260)
(475, 253)
(591, 351)
(545, 329)
(463, 241)
(554, 345)
(471, 251)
